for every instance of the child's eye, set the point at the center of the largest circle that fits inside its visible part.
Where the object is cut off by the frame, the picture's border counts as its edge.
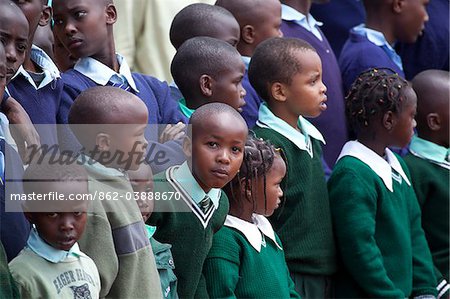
(58, 22)
(236, 149)
(52, 215)
(80, 14)
(213, 144)
(77, 214)
(22, 48)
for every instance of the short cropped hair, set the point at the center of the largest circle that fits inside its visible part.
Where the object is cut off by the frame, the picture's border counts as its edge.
(274, 61)
(215, 109)
(199, 56)
(198, 19)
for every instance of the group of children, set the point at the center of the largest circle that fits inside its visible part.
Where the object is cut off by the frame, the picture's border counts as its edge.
(202, 207)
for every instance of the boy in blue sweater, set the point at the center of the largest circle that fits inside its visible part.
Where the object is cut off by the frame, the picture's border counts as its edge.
(371, 44)
(36, 85)
(208, 70)
(85, 28)
(258, 21)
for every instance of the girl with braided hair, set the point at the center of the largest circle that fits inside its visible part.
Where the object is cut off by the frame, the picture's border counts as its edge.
(246, 259)
(382, 248)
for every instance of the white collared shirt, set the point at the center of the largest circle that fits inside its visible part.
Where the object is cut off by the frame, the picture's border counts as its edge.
(253, 232)
(51, 72)
(102, 74)
(308, 22)
(266, 119)
(383, 168)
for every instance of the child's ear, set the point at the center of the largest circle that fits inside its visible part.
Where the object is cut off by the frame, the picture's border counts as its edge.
(389, 120)
(397, 5)
(187, 146)
(103, 141)
(111, 14)
(248, 34)
(434, 121)
(46, 16)
(206, 83)
(278, 91)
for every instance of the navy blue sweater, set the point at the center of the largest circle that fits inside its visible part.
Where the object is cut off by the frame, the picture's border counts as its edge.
(252, 102)
(332, 122)
(430, 51)
(42, 105)
(161, 107)
(14, 227)
(358, 55)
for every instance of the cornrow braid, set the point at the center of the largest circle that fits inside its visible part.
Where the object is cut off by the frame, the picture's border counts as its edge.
(258, 159)
(372, 94)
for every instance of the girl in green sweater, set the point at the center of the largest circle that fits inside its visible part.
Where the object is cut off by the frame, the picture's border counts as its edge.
(246, 259)
(382, 248)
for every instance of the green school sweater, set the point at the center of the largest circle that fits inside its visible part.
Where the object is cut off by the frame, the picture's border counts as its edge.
(188, 231)
(431, 183)
(303, 222)
(75, 277)
(382, 248)
(235, 269)
(116, 239)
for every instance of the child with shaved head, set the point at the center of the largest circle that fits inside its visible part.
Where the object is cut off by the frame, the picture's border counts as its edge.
(429, 164)
(216, 147)
(115, 236)
(208, 70)
(258, 20)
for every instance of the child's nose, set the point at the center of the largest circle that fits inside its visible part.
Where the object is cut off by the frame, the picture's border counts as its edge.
(66, 224)
(70, 28)
(224, 157)
(11, 54)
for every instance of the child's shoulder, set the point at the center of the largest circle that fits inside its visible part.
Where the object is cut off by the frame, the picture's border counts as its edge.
(149, 82)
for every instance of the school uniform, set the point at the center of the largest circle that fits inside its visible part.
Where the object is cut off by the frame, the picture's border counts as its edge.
(382, 248)
(332, 122)
(303, 223)
(8, 288)
(155, 94)
(42, 271)
(186, 226)
(252, 99)
(364, 49)
(39, 94)
(115, 236)
(246, 260)
(430, 168)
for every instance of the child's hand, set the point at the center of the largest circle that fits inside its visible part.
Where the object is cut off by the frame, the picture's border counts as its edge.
(172, 132)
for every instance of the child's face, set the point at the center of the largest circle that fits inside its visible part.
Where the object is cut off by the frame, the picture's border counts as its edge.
(268, 23)
(228, 87)
(82, 25)
(129, 139)
(273, 188)
(14, 37)
(63, 59)
(32, 9)
(306, 94)
(142, 183)
(62, 229)
(229, 31)
(217, 150)
(403, 129)
(411, 22)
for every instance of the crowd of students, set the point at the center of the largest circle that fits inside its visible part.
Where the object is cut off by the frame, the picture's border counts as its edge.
(269, 168)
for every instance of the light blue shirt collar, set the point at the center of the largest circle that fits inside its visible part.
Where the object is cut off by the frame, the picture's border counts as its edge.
(266, 119)
(101, 74)
(49, 68)
(97, 167)
(430, 151)
(184, 177)
(308, 22)
(246, 61)
(51, 254)
(377, 38)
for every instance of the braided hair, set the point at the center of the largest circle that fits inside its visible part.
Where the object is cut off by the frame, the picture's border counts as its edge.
(372, 94)
(258, 160)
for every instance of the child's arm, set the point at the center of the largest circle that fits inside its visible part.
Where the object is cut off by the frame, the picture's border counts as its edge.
(353, 206)
(424, 280)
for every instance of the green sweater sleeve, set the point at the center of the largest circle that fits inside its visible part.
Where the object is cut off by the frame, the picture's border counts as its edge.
(354, 207)
(424, 280)
(221, 268)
